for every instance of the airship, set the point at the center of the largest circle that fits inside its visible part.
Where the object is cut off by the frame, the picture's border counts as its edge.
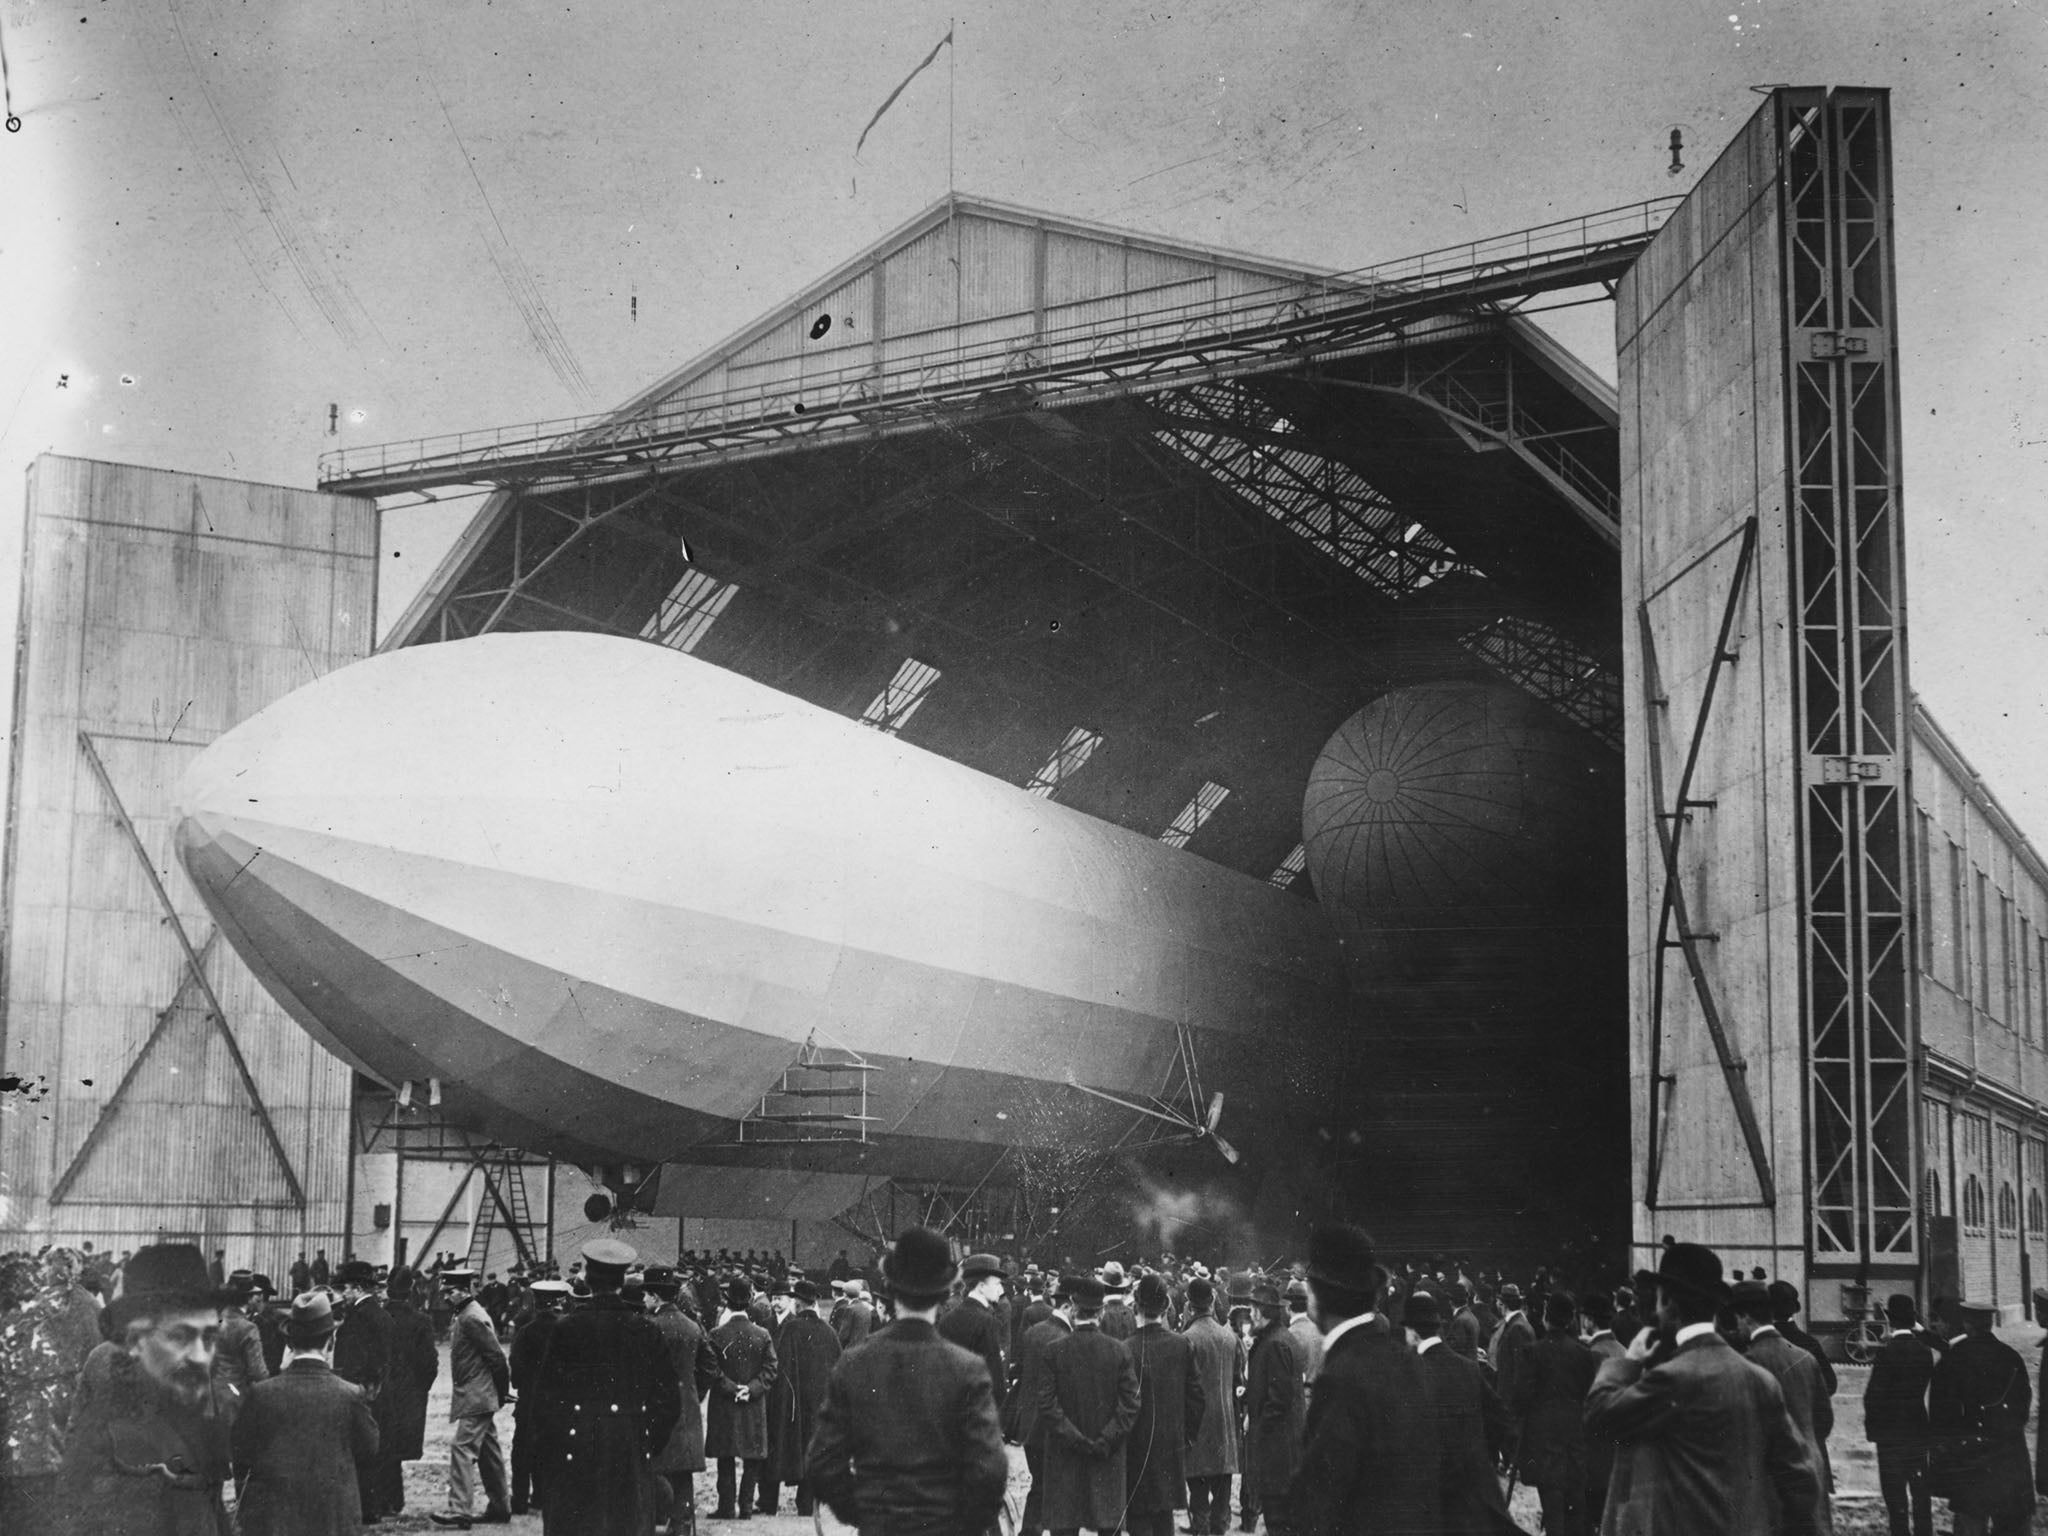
(612, 903)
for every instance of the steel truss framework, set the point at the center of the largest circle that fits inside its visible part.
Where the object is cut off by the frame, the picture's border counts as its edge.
(1842, 404)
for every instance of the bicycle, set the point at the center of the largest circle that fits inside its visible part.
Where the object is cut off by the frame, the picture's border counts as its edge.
(1867, 1330)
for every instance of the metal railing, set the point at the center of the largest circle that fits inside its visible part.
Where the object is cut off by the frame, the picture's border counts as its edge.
(866, 379)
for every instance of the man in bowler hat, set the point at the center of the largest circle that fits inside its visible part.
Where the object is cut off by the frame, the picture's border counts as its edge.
(1704, 1440)
(1368, 1460)
(302, 1436)
(973, 1325)
(1087, 1403)
(907, 1438)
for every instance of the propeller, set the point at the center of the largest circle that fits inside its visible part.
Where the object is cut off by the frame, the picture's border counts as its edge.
(1196, 1130)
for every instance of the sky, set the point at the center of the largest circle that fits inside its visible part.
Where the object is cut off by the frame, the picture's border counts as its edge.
(220, 219)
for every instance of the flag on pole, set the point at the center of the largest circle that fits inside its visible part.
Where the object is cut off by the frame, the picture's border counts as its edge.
(924, 64)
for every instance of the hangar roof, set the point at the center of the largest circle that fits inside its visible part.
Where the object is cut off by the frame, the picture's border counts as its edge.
(1130, 522)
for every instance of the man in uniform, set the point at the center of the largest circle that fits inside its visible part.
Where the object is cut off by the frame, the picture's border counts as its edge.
(1977, 1410)
(479, 1379)
(608, 1402)
(1212, 1458)
(736, 1429)
(529, 1347)
(973, 1325)
(362, 1353)
(1171, 1406)
(805, 1352)
(907, 1438)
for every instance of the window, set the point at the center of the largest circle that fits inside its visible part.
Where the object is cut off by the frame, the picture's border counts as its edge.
(1983, 915)
(2008, 1210)
(2005, 965)
(2037, 1215)
(1065, 762)
(2026, 979)
(1973, 1204)
(1958, 922)
(1930, 1193)
(1976, 1138)
(895, 704)
(1924, 860)
(1290, 868)
(1193, 815)
(688, 611)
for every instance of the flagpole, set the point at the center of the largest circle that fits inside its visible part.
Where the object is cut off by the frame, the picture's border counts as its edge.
(952, 65)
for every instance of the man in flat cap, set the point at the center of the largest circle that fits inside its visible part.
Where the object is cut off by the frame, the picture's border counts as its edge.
(736, 1428)
(973, 1325)
(147, 1450)
(907, 1438)
(1704, 1440)
(806, 1350)
(301, 1437)
(1977, 1409)
(480, 1379)
(608, 1403)
(1171, 1407)
(1087, 1405)
(1368, 1461)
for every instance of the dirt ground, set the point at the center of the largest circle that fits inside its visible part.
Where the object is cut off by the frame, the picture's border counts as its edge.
(1858, 1509)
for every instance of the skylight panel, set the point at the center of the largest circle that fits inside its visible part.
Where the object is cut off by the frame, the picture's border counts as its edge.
(1194, 814)
(1065, 762)
(687, 613)
(895, 704)
(1290, 868)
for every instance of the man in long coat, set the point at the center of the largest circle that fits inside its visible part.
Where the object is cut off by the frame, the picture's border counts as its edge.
(1597, 1308)
(301, 1435)
(693, 1362)
(1276, 1409)
(1171, 1407)
(1895, 1420)
(608, 1402)
(805, 1354)
(1026, 1427)
(411, 1366)
(1212, 1457)
(1552, 1377)
(1704, 1442)
(1461, 1408)
(1806, 1399)
(1368, 1461)
(855, 1320)
(974, 1325)
(362, 1350)
(1977, 1408)
(1087, 1405)
(736, 1429)
(529, 1348)
(907, 1439)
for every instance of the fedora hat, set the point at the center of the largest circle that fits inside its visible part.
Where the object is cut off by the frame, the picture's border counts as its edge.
(311, 1319)
(979, 1266)
(160, 1278)
(1084, 1290)
(1341, 1257)
(920, 1266)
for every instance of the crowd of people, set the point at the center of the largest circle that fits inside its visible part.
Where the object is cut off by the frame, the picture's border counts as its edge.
(158, 1391)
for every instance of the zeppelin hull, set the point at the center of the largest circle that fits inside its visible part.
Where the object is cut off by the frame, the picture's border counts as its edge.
(606, 894)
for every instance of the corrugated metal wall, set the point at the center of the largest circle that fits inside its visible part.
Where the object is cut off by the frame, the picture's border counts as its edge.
(158, 610)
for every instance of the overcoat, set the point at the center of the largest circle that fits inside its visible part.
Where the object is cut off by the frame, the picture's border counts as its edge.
(853, 1322)
(1086, 1407)
(1460, 1405)
(694, 1363)
(907, 1437)
(746, 1358)
(1703, 1443)
(1119, 1322)
(120, 1419)
(1171, 1407)
(1504, 1352)
(804, 1357)
(1461, 1333)
(362, 1345)
(1368, 1461)
(978, 1329)
(1215, 1448)
(1275, 1410)
(478, 1375)
(1977, 1409)
(1806, 1399)
(1022, 1420)
(298, 1441)
(414, 1363)
(608, 1401)
(1895, 1401)
(1552, 1378)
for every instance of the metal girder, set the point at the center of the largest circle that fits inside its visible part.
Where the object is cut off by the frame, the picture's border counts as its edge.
(195, 970)
(1154, 351)
(1541, 662)
(1672, 908)
(1253, 450)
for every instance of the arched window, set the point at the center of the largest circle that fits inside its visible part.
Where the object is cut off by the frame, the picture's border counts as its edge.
(1973, 1204)
(1931, 1188)
(2008, 1208)
(2037, 1214)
